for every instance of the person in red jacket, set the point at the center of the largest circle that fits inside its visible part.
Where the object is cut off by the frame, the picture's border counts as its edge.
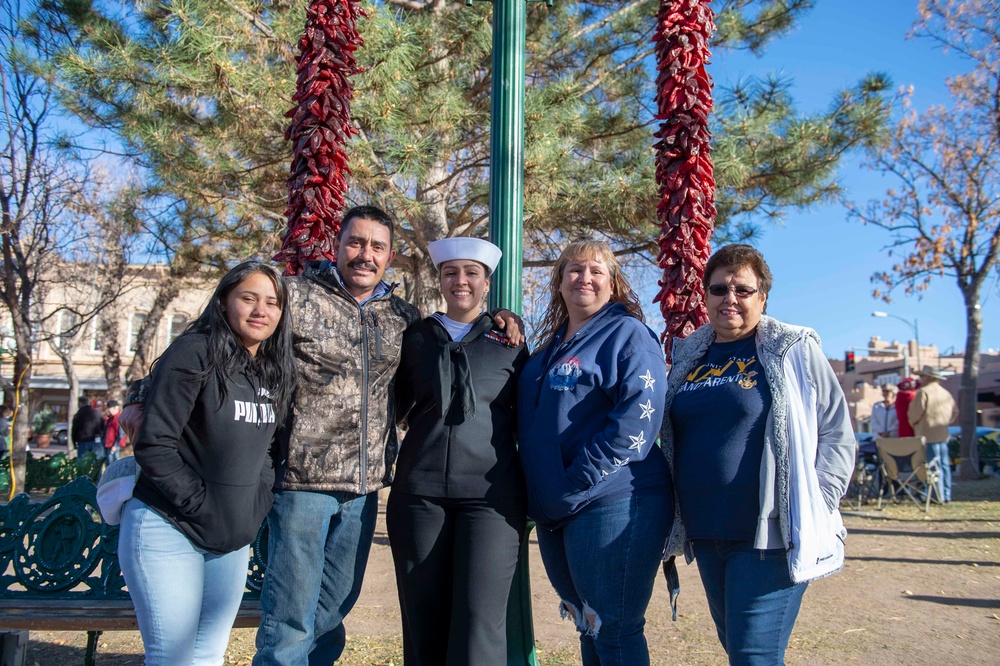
(907, 390)
(114, 435)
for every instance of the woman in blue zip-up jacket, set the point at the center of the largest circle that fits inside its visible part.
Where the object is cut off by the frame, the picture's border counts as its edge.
(590, 403)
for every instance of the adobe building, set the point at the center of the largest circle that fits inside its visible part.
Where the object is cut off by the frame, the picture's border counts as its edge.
(888, 362)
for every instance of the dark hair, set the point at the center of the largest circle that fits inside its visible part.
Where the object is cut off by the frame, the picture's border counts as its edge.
(82, 402)
(621, 290)
(736, 256)
(227, 355)
(111, 403)
(373, 213)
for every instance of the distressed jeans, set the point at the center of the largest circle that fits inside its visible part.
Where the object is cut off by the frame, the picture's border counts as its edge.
(751, 597)
(317, 553)
(186, 599)
(602, 564)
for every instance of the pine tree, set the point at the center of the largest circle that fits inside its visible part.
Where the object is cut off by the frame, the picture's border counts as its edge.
(197, 91)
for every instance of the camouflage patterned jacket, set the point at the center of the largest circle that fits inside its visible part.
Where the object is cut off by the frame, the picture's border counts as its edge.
(343, 435)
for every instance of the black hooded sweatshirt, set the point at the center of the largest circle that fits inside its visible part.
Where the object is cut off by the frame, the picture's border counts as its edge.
(206, 463)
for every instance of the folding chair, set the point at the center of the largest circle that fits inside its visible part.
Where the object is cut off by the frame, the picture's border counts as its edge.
(904, 462)
(866, 480)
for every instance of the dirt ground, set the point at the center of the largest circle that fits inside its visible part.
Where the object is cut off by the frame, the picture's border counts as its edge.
(920, 590)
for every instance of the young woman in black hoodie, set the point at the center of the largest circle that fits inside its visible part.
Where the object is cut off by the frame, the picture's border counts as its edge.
(204, 449)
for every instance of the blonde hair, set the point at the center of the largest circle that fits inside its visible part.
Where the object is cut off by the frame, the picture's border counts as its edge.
(586, 250)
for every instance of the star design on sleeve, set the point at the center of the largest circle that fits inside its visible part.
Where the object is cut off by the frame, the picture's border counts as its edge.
(648, 379)
(637, 441)
(647, 411)
(620, 463)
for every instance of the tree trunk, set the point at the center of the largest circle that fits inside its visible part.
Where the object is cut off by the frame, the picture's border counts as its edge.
(65, 354)
(22, 415)
(139, 367)
(432, 226)
(112, 359)
(968, 466)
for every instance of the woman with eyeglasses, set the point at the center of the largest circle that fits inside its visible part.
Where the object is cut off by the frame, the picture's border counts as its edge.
(759, 441)
(590, 402)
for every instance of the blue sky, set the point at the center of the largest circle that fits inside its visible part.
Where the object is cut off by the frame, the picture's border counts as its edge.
(822, 262)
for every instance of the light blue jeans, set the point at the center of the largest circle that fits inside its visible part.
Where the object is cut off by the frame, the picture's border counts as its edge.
(602, 564)
(186, 599)
(317, 553)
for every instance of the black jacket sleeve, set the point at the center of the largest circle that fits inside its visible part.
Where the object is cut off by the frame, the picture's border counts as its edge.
(174, 391)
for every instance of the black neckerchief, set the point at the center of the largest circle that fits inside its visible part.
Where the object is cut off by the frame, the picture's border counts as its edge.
(453, 380)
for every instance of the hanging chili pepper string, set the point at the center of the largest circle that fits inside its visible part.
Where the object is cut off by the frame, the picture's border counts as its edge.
(319, 131)
(684, 172)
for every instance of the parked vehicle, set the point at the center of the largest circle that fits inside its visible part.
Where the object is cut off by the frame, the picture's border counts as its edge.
(60, 434)
(989, 445)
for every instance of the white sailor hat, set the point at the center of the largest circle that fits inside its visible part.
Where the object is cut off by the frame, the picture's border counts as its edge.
(464, 247)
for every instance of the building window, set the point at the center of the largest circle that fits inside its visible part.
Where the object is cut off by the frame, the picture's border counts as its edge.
(178, 323)
(68, 321)
(133, 334)
(97, 335)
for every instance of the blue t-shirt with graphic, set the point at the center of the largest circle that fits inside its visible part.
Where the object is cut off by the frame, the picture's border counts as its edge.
(718, 419)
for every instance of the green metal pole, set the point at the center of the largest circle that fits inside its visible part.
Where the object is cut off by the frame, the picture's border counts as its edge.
(507, 151)
(506, 230)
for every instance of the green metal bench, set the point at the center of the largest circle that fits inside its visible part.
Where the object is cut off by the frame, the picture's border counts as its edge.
(59, 572)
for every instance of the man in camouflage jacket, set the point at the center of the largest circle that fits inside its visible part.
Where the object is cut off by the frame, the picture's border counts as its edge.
(340, 447)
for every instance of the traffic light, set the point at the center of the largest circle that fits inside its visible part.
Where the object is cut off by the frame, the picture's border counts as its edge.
(848, 361)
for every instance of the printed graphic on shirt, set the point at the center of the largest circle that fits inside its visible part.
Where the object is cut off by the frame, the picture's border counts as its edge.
(564, 376)
(648, 380)
(253, 412)
(707, 375)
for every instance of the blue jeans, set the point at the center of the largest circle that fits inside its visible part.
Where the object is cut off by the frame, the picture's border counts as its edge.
(95, 446)
(317, 553)
(939, 451)
(186, 599)
(751, 597)
(603, 563)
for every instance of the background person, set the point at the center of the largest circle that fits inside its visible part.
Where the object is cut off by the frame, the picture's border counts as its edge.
(114, 435)
(456, 513)
(931, 412)
(5, 414)
(590, 402)
(907, 391)
(884, 421)
(87, 430)
(217, 395)
(761, 448)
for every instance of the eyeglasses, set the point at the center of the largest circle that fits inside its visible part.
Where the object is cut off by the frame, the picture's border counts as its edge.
(741, 291)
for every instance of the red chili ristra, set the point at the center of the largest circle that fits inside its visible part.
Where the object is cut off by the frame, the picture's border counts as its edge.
(684, 172)
(319, 130)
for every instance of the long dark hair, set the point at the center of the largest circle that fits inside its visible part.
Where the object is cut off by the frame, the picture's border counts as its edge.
(273, 362)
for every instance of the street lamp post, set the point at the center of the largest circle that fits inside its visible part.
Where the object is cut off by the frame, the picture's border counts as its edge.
(911, 324)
